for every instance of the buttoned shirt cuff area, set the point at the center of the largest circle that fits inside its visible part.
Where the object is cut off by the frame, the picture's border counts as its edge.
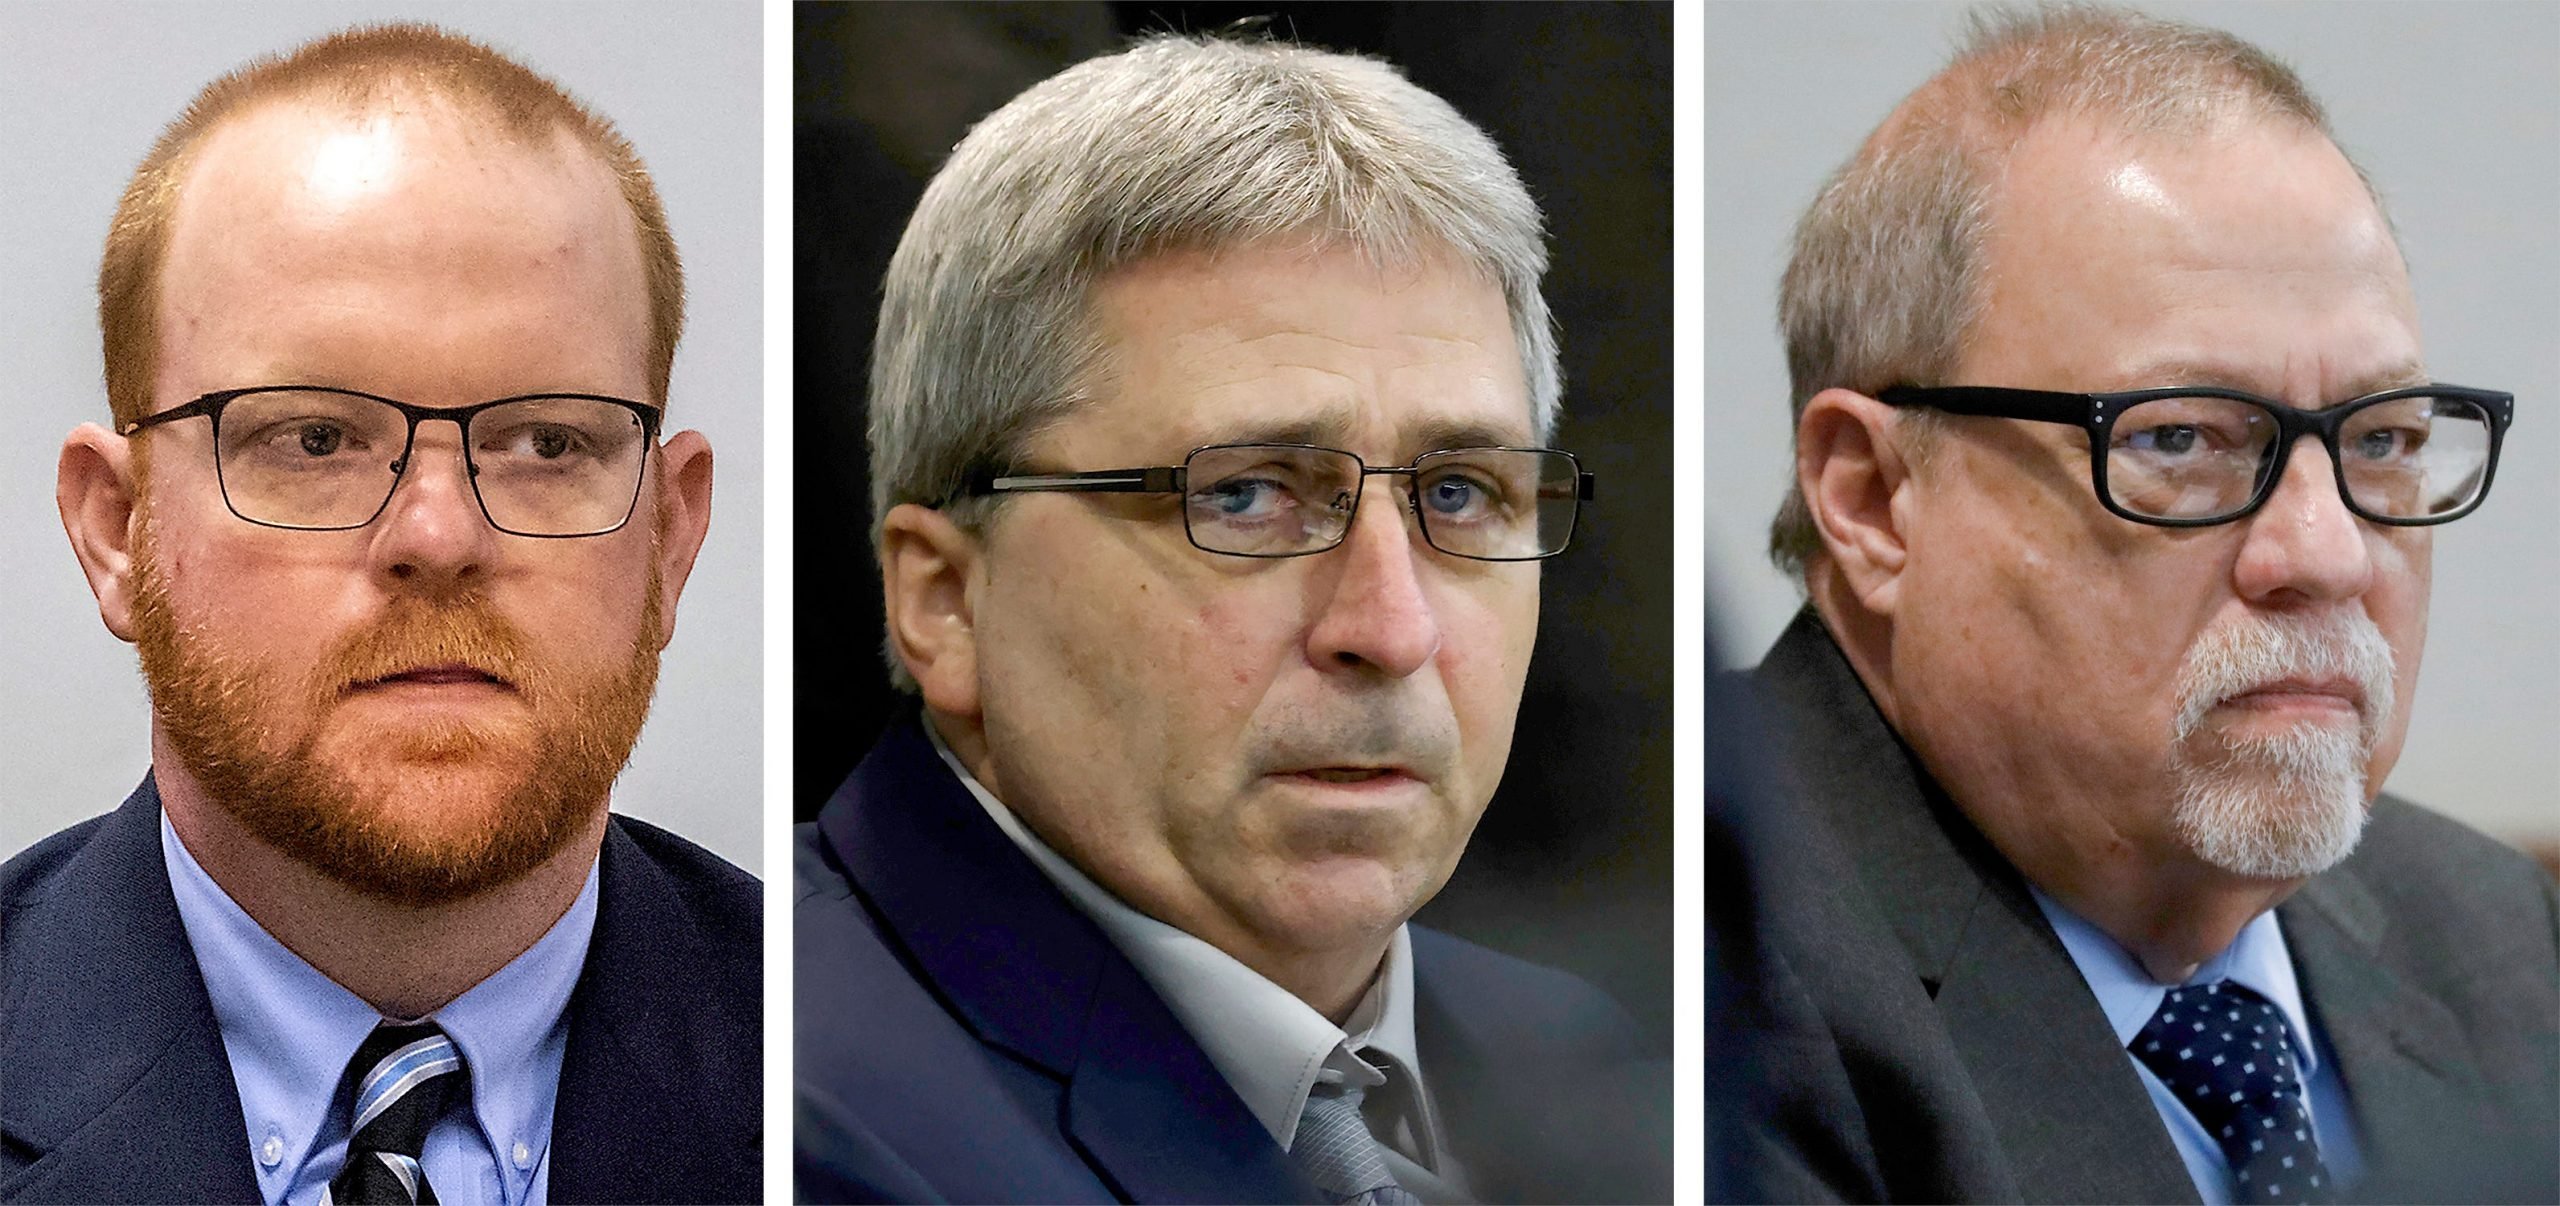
(1271, 1047)
(2258, 960)
(289, 1031)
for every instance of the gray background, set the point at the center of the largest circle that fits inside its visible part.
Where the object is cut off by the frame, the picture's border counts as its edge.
(2454, 110)
(85, 88)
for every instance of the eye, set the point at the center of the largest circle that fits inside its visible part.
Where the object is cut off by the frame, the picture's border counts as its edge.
(2169, 439)
(1455, 495)
(321, 439)
(1245, 498)
(538, 442)
(2389, 443)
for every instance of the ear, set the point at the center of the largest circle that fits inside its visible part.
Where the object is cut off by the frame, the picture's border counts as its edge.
(925, 566)
(1852, 473)
(93, 487)
(684, 482)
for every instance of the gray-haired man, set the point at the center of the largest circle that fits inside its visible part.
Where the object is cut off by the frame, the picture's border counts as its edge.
(1125, 916)
(2116, 469)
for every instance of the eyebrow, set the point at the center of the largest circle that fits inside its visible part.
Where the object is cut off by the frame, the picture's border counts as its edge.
(2226, 376)
(1332, 428)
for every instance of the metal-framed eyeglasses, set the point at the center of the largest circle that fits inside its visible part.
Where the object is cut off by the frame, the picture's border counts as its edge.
(1290, 500)
(2189, 456)
(319, 459)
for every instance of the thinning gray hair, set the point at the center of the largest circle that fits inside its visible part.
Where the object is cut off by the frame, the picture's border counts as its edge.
(1177, 143)
(1886, 281)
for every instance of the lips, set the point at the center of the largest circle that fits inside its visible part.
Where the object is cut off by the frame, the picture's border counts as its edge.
(2344, 690)
(446, 674)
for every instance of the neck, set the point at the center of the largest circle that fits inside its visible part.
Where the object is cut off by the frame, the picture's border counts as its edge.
(2166, 908)
(1330, 981)
(2171, 918)
(406, 961)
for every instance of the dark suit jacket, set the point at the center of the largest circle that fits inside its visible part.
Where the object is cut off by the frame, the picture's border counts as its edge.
(1946, 1049)
(114, 1086)
(965, 1034)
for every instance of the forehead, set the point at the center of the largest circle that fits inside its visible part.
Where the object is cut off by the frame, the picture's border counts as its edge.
(304, 231)
(1289, 344)
(2252, 244)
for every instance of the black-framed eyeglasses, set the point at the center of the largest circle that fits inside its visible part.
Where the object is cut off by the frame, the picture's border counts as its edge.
(1289, 500)
(2188, 456)
(318, 459)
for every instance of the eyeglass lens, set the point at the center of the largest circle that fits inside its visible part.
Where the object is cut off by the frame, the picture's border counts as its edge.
(542, 466)
(1270, 500)
(2202, 458)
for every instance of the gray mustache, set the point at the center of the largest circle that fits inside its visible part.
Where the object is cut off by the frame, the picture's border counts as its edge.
(2233, 659)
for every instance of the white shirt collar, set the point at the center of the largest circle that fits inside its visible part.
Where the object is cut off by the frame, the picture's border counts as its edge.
(1271, 1047)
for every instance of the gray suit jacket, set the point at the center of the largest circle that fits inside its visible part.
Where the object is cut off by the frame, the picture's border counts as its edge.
(1938, 1044)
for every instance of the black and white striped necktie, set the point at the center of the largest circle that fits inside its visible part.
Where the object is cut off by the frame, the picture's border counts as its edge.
(406, 1078)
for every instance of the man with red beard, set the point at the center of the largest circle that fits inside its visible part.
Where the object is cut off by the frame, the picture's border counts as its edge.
(2116, 469)
(385, 505)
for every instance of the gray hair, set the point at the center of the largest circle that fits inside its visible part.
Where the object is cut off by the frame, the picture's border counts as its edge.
(1885, 285)
(1177, 143)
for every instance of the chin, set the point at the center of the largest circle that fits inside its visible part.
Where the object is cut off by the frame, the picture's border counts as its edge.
(2286, 806)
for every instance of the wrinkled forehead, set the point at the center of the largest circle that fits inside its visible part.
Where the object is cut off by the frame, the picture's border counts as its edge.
(1322, 344)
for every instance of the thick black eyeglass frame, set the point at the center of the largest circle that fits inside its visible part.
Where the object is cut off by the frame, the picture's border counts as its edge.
(1173, 479)
(211, 406)
(2097, 414)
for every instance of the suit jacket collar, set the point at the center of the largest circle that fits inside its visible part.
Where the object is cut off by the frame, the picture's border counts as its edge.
(657, 1069)
(1027, 972)
(2400, 1050)
(111, 1035)
(2071, 1112)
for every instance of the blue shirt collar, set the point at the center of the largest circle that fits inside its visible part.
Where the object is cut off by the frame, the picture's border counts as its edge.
(2257, 959)
(289, 1030)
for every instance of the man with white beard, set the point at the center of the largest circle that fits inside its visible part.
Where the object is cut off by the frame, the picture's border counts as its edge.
(2116, 468)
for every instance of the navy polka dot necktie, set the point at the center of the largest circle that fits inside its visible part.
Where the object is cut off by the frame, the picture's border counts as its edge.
(2228, 1056)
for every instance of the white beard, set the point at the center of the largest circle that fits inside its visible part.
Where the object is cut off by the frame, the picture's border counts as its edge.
(2291, 804)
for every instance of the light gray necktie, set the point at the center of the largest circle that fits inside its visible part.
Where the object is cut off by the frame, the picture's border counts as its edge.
(1334, 1148)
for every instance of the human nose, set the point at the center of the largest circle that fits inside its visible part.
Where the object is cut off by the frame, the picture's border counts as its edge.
(432, 536)
(1376, 612)
(2304, 545)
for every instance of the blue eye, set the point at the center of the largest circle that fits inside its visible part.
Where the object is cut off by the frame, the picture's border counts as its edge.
(1243, 497)
(1452, 495)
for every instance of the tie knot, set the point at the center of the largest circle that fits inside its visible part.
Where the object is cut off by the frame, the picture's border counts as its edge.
(2228, 1055)
(1334, 1148)
(403, 1079)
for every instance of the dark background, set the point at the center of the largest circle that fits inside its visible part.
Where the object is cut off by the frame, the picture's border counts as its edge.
(1571, 865)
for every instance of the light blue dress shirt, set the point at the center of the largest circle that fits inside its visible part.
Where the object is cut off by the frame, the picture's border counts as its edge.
(290, 1030)
(2257, 960)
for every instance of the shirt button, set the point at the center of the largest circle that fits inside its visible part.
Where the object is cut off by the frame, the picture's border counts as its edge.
(271, 1152)
(523, 1155)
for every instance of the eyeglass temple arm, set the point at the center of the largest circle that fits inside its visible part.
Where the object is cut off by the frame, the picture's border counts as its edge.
(2037, 405)
(1581, 488)
(1162, 479)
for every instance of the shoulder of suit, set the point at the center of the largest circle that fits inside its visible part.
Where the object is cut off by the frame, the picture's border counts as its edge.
(1534, 1002)
(2439, 886)
(2409, 842)
(31, 873)
(718, 892)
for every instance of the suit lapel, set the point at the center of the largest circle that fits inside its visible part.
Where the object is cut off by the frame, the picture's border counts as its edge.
(2070, 1112)
(2399, 1050)
(653, 1070)
(1029, 973)
(114, 1066)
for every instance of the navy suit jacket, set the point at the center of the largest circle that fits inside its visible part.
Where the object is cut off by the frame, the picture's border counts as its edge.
(965, 1034)
(114, 1086)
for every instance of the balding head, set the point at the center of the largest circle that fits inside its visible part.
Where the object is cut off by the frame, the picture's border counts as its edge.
(374, 86)
(1886, 282)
